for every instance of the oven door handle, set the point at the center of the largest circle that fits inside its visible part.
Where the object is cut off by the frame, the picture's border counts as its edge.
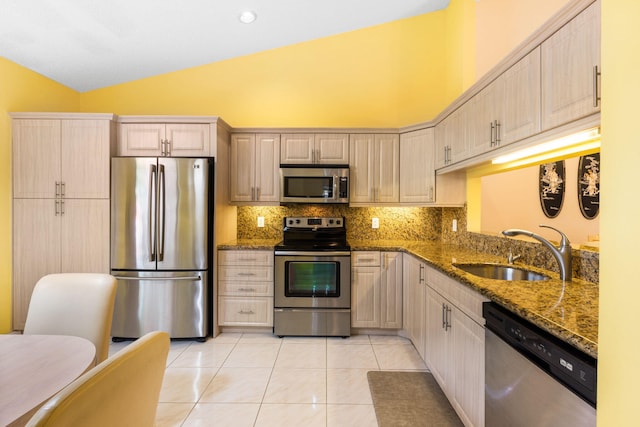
(311, 253)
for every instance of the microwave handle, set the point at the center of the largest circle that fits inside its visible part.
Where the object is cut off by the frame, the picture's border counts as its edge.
(336, 186)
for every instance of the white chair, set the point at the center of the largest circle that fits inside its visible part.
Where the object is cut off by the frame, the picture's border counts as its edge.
(121, 391)
(79, 304)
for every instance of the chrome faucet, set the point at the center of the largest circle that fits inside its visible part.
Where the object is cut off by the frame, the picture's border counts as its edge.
(561, 254)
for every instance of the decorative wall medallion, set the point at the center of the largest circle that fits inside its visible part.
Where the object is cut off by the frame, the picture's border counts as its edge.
(551, 188)
(589, 185)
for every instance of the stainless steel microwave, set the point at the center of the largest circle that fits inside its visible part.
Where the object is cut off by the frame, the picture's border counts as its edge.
(314, 184)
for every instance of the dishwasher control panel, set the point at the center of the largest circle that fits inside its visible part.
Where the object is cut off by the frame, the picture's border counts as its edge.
(565, 363)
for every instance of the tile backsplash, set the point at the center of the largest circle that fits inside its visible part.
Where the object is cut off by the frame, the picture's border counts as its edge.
(395, 223)
(424, 223)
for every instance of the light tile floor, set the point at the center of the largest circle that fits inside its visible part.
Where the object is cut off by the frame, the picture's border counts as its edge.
(240, 379)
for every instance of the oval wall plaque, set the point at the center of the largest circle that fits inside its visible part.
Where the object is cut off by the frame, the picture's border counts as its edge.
(589, 185)
(551, 188)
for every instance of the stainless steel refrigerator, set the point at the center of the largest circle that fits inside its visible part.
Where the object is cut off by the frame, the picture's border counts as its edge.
(161, 220)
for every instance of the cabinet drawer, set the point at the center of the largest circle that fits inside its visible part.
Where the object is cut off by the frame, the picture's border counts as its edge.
(438, 281)
(246, 289)
(239, 311)
(365, 258)
(246, 273)
(245, 257)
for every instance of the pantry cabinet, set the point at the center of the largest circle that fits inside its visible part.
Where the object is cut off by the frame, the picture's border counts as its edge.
(571, 70)
(61, 188)
(374, 168)
(454, 349)
(245, 288)
(254, 168)
(376, 290)
(308, 148)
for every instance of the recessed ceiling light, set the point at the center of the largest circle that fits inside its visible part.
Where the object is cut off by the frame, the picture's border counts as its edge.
(247, 17)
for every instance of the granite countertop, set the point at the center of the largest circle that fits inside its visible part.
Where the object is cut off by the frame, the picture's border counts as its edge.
(568, 311)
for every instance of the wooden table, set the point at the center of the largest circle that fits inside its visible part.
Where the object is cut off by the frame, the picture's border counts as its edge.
(35, 367)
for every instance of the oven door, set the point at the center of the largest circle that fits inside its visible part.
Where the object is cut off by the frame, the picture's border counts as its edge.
(312, 279)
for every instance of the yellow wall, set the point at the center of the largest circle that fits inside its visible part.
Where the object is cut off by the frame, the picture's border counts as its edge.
(382, 76)
(619, 335)
(501, 25)
(20, 90)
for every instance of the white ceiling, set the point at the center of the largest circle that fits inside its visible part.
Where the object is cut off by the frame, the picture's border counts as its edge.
(89, 44)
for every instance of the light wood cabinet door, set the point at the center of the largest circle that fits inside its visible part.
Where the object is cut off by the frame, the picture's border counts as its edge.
(36, 158)
(365, 297)
(84, 236)
(164, 139)
(570, 63)
(520, 116)
(391, 290)
(307, 148)
(36, 249)
(374, 168)
(254, 168)
(332, 149)
(482, 123)
(437, 344)
(452, 143)
(417, 166)
(85, 159)
(414, 302)
(467, 368)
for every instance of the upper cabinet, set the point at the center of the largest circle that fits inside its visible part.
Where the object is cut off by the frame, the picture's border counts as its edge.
(254, 167)
(571, 70)
(508, 109)
(61, 157)
(451, 141)
(309, 148)
(374, 168)
(169, 136)
(417, 172)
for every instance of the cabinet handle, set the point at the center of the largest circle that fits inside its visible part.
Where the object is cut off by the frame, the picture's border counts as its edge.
(61, 207)
(253, 193)
(168, 150)
(421, 273)
(596, 96)
(247, 259)
(246, 274)
(57, 189)
(444, 320)
(56, 205)
(246, 312)
(497, 133)
(257, 193)
(62, 188)
(448, 318)
(431, 193)
(162, 148)
(491, 137)
(246, 290)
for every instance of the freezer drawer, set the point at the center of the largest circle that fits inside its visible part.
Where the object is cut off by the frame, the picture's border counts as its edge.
(174, 302)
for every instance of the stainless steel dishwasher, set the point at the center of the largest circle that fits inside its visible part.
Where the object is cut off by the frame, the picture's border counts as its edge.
(532, 378)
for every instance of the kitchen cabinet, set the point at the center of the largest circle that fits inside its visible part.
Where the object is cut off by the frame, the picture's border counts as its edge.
(245, 288)
(170, 136)
(571, 70)
(508, 109)
(451, 141)
(376, 290)
(413, 274)
(417, 171)
(254, 168)
(308, 148)
(61, 207)
(374, 168)
(454, 349)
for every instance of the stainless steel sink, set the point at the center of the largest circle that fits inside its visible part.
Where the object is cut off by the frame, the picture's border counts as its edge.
(500, 272)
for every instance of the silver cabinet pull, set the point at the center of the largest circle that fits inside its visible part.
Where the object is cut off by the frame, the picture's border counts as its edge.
(492, 138)
(57, 206)
(246, 312)
(246, 274)
(497, 133)
(596, 95)
(62, 187)
(246, 290)
(421, 273)
(448, 318)
(57, 189)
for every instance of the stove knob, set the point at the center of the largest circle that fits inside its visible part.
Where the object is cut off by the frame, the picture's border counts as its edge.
(337, 222)
(297, 221)
(290, 222)
(330, 221)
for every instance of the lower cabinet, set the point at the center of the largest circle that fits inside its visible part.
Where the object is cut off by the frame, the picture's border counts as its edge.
(413, 273)
(454, 349)
(376, 290)
(245, 288)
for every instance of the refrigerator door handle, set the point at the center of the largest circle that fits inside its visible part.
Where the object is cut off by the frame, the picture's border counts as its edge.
(152, 213)
(189, 278)
(161, 213)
